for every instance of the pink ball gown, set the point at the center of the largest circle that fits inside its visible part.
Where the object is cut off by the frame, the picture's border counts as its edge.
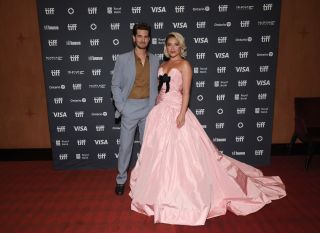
(181, 178)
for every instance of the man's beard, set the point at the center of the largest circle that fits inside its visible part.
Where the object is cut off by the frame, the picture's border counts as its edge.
(145, 46)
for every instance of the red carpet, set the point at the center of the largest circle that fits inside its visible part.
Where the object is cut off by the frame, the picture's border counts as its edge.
(35, 198)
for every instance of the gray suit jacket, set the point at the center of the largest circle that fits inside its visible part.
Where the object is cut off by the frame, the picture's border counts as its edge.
(124, 76)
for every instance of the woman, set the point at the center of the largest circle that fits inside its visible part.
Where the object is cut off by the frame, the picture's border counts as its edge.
(180, 176)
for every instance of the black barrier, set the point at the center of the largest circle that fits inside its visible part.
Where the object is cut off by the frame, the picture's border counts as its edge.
(232, 46)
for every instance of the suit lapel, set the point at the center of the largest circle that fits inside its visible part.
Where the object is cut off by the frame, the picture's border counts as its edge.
(131, 69)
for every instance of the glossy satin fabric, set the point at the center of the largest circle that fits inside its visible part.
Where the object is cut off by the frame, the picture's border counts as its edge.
(181, 178)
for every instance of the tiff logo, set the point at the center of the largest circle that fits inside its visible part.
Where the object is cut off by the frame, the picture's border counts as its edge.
(55, 73)
(221, 69)
(77, 86)
(220, 125)
(243, 55)
(261, 124)
(222, 39)
(98, 100)
(79, 113)
(264, 69)
(223, 8)
(94, 42)
(101, 155)
(258, 152)
(267, 7)
(114, 57)
(239, 138)
(220, 97)
(100, 128)
(245, 23)
(52, 43)
(241, 111)
(200, 56)
(201, 24)
(63, 156)
(265, 39)
(179, 9)
(81, 142)
(96, 72)
(200, 83)
(61, 129)
(49, 11)
(92, 10)
(72, 27)
(115, 26)
(159, 55)
(200, 111)
(158, 25)
(74, 58)
(58, 100)
(262, 96)
(136, 9)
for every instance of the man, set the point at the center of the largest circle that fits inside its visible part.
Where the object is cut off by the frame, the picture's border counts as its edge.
(134, 89)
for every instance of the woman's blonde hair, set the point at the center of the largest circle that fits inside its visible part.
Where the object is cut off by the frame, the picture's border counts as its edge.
(181, 42)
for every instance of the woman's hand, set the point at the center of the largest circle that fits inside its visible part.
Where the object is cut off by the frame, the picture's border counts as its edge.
(180, 120)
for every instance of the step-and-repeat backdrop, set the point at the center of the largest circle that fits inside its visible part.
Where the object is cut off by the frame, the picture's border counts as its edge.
(232, 46)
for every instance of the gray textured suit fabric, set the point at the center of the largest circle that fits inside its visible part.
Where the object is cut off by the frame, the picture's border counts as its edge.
(133, 112)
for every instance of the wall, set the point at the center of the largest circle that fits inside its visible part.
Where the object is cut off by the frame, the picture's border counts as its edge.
(24, 121)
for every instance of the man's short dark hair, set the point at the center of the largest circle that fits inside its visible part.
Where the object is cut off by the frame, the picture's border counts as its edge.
(141, 26)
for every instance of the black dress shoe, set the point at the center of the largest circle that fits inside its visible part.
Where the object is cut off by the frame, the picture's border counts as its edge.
(119, 189)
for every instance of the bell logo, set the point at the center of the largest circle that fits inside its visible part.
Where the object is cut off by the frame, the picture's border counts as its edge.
(180, 25)
(200, 40)
(158, 9)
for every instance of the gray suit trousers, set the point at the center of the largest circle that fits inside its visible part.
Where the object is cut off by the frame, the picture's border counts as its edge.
(133, 114)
